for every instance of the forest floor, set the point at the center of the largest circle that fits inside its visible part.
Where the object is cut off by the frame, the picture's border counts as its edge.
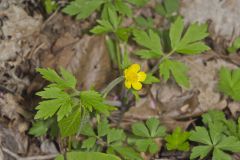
(31, 38)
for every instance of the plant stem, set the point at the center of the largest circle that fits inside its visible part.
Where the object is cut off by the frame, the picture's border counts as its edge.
(112, 85)
(69, 143)
(118, 56)
(155, 68)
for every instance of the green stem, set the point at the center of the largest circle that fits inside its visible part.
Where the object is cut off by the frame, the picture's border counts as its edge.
(112, 85)
(155, 68)
(118, 56)
(69, 143)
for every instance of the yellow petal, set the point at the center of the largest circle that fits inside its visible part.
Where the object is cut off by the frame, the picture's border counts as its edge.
(141, 76)
(137, 85)
(134, 68)
(127, 84)
(126, 72)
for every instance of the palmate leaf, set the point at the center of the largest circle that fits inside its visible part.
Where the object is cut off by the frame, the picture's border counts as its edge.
(108, 24)
(168, 7)
(144, 135)
(87, 156)
(177, 69)
(66, 81)
(214, 140)
(82, 8)
(200, 151)
(229, 83)
(123, 8)
(190, 42)
(213, 116)
(178, 140)
(58, 102)
(50, 6)
(151, 41)
(89, 143)
(220, 155)
(93, 100)
(115, 136)
(40, 128)
(127, 153)
(102, 128)
(69, 126)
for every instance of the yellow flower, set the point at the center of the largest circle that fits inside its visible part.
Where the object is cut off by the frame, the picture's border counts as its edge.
(133, 77)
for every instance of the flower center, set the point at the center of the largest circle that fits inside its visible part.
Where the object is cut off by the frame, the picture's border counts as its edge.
(132, 77)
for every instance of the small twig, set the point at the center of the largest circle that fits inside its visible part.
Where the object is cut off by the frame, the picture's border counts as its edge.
(17, 157)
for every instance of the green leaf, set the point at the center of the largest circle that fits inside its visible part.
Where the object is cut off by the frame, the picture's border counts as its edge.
(123, 8)
(40, 128)
(87, 156)
(59, 102)
(176, 32)
(190, 43)
(229, 83)
(213, 116)
(151, 41)
(103, 27)
(151, 79)
(68, 80)
(145, 145)
(232, 128)
(88, 130)
(139, 129)
(113, 18)
(89, 143)
(123, 33)
(220, 155)
(70, 125)
(127, 153)
(167, 8)
(147, 54)
(165, 68)
(144, 22)
(200, 151)
(103, 128)
(93, 100)
(50, 6)
(115, 135)
(235, 46)
(178, 140)
(231, 144)
(155, 129)
(178, 70)
(200, 135)
(138, 3)
(82, 8)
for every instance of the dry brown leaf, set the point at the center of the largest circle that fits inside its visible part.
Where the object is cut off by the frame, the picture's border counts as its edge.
(13, 140)
(234, 108)
(223, 14)
(87, 59)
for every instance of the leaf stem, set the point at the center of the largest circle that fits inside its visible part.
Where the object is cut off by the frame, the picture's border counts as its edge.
(112, 85)
(118, 56)
(155, 68)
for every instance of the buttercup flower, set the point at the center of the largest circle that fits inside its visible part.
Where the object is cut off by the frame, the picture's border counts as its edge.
(133, 77)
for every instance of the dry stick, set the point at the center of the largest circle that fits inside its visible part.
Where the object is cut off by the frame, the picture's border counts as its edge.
(17, 157)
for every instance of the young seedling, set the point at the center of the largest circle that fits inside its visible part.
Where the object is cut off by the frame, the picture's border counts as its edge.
(229, 83)
(145, 134)
(178, 140)
(213, 140)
